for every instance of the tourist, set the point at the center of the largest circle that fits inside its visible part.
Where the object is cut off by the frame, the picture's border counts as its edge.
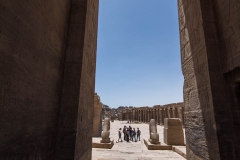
(134, 135)
(138, 134)
(127, 134)
(120, 134)
(124, 132)
(131, 133)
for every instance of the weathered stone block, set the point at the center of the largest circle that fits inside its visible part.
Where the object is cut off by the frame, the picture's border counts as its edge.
(173, 131)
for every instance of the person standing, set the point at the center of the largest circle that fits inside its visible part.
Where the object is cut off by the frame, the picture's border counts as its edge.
(138, 134)
(131, 134)
(134, 135)
(120, 134)
(125, 133)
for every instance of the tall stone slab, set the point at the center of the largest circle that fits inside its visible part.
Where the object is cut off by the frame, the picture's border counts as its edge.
(77, 100)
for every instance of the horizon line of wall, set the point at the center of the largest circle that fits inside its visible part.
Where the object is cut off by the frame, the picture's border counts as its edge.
(157, 112)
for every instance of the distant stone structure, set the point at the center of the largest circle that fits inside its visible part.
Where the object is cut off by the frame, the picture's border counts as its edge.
(106, 131)
(97, 116)
(157, 112)
(173, 131)
(154, 136)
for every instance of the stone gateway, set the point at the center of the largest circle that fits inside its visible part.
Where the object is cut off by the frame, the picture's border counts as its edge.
(47, 77)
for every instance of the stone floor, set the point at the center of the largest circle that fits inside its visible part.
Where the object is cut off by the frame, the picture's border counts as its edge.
(133, 150)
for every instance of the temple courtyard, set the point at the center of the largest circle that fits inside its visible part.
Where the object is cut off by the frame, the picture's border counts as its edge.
(135, 150)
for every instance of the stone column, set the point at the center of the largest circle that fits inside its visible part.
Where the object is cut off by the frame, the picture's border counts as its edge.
(161, 117)
(182, 115)
(151, 114)
(154, 114)
(135, 115)
(147, 116)
(169, 112)
(140, 115)
(143, 116)
(165, 113)
(174, 113)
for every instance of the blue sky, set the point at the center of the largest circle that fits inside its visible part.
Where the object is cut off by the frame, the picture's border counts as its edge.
(138, 54)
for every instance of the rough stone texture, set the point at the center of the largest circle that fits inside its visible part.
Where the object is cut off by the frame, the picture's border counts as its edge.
(210, 51)
(228, 113)
(75, 121)
(33, 37)
(195, 102)
(173, 131)
(97, 116)
(48, 58)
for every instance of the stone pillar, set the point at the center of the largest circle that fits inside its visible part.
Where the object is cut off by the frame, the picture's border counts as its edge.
(140, 115)
(148, 114)
(97, 116)
(174, 113)
(169, 112)
(145, 116)
(154, 114)
(161, 117)
(77, 98)
(180, 113)
(135, 115)
(165, 113)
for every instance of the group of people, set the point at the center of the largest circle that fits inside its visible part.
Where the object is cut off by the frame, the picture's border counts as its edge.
(130, 134)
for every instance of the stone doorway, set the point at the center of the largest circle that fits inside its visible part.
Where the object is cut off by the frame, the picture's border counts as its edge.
(48, 48)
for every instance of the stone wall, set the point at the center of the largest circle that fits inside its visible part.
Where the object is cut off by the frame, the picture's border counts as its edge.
(74, 139)
(47, 75)
(210, 51)
(228, 114)
(33, 36)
